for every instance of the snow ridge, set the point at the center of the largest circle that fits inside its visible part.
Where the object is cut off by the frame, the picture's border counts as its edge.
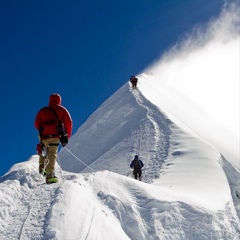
(133, 126)
(104, 205)
(153, 137)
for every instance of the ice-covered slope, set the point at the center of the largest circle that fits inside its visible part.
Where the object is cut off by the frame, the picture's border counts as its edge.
(103, 205)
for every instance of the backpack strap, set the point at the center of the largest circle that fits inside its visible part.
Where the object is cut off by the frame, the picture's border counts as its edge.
(55, 114)
(137, 164)
(60, 123)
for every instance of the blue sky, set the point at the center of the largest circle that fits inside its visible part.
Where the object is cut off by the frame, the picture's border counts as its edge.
(84, 51)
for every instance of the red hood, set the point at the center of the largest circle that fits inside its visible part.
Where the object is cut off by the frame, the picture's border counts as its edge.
(55, 99)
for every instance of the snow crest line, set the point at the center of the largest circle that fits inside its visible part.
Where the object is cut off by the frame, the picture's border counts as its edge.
(153, 137)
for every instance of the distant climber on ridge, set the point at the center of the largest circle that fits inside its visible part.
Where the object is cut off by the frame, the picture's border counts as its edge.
(137, 165)
(54, 124)
(134, 81)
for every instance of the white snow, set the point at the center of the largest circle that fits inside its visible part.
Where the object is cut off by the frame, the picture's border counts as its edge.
(183, 122)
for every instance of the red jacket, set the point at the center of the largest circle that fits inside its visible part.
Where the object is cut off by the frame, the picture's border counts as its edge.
(46, 114)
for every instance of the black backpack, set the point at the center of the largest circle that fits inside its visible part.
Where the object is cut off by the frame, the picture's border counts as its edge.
(137, 164)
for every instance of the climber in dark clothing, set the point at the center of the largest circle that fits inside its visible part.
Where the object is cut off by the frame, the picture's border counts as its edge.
(134, 81)
(137, 165)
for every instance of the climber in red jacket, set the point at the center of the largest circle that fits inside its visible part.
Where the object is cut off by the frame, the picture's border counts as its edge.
(54, 124)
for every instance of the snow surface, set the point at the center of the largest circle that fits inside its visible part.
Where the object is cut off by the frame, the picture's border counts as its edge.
(188, 143)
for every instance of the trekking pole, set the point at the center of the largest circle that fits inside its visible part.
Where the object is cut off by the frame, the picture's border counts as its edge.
(129, 173)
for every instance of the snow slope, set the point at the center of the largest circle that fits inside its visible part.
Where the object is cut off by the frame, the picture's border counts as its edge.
(191, 179)
(103, 205)
(124, 125)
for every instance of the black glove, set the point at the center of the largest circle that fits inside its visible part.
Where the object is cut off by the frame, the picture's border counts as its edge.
(64, 139)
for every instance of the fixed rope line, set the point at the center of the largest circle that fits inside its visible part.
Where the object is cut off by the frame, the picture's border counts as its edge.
(84, 164)
(79, 159)
(140, 136)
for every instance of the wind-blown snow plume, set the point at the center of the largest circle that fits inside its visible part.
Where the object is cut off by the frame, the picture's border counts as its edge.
(204, 68)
